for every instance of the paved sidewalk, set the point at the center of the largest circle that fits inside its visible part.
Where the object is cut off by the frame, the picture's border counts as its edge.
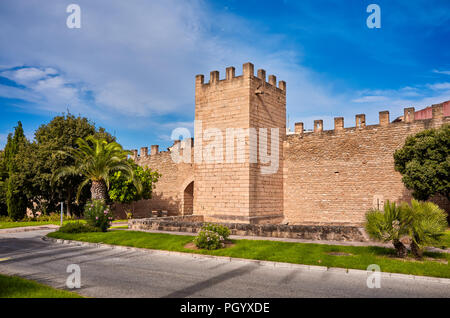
(29, 228)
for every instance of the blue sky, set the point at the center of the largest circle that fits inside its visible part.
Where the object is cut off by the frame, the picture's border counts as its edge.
(131, 66)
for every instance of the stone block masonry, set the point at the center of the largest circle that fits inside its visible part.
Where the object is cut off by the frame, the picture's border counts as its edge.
(324, 178)
(237, 191)
(336, 176)
(193, 224)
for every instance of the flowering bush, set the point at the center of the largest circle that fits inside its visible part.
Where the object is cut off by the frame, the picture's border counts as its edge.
(208, 240)
(223, 231)
(98, 214)
(212, 236)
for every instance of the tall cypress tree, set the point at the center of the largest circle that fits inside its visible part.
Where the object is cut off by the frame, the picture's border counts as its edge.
(3, 178)
(16, 201)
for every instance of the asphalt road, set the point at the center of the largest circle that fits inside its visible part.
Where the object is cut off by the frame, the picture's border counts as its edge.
(116, 273)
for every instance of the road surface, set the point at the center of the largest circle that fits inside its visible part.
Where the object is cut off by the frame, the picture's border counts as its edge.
(119, 273)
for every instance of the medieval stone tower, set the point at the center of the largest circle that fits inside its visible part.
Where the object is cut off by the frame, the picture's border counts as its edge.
(239, 132)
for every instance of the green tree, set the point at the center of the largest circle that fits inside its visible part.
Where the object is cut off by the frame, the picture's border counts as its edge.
(424, 162)
(3, 177)
(43, 158)
(16, 200)
(96, 160)
(124, 190)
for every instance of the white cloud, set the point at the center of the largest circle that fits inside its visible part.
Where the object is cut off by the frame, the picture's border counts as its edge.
(42, 86)
(440, 86)
(370, 98)
(140, 60)
(24, 75)
(133, 64)
(441, 72)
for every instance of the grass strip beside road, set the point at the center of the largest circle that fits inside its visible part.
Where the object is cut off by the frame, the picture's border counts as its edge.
(17, 287)
(351, 257)
(8, 225)
(120, 221)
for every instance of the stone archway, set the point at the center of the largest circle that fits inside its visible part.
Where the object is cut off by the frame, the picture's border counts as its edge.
(188, 199)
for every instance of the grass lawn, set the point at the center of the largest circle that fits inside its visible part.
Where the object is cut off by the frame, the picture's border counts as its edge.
(120, 221)
(8, 225)
(434, 264)
(16, 287)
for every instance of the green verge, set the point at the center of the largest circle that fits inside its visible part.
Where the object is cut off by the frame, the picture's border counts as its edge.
(16, 287)
(8, 225)
(434, 264)
(120, 221)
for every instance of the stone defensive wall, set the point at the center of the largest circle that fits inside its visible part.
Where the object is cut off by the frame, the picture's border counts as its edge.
(336, 176)
(325, 180)
(329, 176)
(173, 193)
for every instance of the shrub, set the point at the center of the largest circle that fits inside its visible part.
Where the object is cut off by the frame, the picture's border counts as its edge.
(208, 240)
(5, 219)
(98, 214)
(52, 217)
(78, 227)
(390, 225)
(223, 231)
(423, 223)
(125, 190)
(428, 225)
(212, 236)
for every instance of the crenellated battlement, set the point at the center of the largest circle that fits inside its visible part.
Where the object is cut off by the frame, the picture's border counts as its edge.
(143, 154)
(154, 150)
(230, 76)
(437, 114)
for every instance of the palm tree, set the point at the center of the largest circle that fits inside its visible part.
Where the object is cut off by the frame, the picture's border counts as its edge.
(428, 225)
(96, 160)
(390, 225)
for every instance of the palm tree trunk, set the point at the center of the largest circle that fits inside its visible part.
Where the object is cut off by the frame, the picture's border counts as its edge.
(416, 250)
(98, 190)
(69, 202)
(400, 248)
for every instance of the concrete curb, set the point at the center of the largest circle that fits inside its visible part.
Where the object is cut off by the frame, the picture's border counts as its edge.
(29, 228)
(252, 261)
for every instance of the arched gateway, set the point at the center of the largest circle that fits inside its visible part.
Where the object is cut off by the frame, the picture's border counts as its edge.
(188, 199)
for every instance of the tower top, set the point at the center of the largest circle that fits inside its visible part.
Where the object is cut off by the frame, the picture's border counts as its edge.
(247, 72)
